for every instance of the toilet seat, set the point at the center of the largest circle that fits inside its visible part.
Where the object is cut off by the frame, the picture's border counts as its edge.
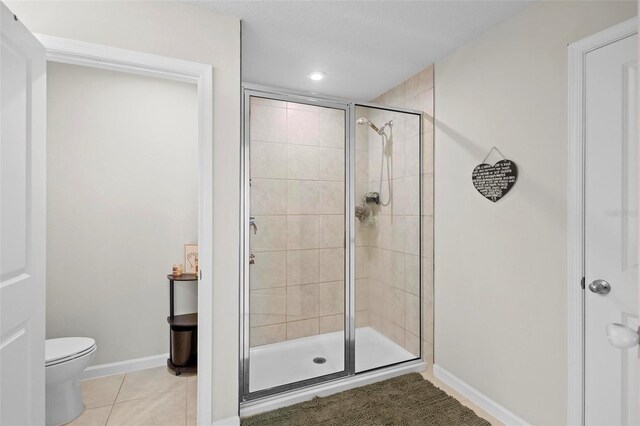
(65, 349)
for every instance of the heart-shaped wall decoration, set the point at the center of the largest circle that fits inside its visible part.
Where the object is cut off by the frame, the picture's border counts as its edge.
(493, 182)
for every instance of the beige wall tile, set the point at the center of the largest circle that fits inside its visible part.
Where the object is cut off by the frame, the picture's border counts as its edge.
(304, 328)
(422, 101)
(302, 197)
(268, 124)
(268, 306)
(397, 160)
(302, 232)
(331, 198)
(302, 302)
(332, 129)
(427, 206)
(427, 237)
(420, 82)
(271, 234)
(375, 262)
(394, 269)
(362, 294)
(268, 197)
(302, 127)
(412, 343)
(376, 301)
(375, 321)
(270, 270)
(331, 234)
(394, 305)
(427, 353)
(412, 235)
(412, 128)
(412, 274)
(331, 265)
(427, 153)
(331, 298)
(331, 164)
(268, 334)
(362, 262)
(302, 162)
(427, 280)
(393, 332)
(362, 319)
(393, 234)
(412, 195)
(364, 233)
(332, 323)
(412, 314)
(427, 327)
(412, 153)
(302, 267)
(268, 160)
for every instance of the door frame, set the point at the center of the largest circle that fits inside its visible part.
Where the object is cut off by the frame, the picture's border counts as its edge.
(575, 210)
(110, 58)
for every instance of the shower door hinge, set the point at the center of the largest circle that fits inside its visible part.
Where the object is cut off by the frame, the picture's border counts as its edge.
(582, 283)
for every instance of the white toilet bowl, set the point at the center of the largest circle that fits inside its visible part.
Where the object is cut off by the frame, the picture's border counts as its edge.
(66, 359)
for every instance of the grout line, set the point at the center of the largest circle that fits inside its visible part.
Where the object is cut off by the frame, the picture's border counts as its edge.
(115, 399)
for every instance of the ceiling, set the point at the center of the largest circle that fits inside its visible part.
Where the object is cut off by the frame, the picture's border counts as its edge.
(363, 47)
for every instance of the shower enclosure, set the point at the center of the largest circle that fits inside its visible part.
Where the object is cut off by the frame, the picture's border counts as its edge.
(332, 241)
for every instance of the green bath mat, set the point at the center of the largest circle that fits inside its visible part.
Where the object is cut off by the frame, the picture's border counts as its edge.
(405, 400)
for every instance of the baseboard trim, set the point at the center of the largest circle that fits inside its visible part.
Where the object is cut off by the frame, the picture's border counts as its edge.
(124, 366)
(478, 398)
(229, 421)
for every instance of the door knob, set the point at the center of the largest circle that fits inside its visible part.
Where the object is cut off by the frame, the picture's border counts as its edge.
(600, 287)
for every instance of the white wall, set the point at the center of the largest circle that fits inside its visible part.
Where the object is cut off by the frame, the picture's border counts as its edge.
(500, 305)
(122, 201)
(191, 33)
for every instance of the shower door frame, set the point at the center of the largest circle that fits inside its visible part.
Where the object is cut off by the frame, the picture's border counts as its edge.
(349, 107)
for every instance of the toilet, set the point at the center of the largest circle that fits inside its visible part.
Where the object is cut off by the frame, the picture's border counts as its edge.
(65, 360)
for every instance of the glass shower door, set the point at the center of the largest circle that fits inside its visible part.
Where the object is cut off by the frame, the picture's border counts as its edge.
(296, 170)
(388, 225)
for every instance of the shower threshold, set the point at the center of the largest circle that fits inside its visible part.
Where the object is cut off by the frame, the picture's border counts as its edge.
(297, 360)
(290, 361)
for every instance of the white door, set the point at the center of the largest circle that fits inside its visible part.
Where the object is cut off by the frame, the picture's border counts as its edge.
(611, 232)
(22, 223)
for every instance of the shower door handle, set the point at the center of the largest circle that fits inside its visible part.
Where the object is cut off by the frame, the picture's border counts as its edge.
(253, 224)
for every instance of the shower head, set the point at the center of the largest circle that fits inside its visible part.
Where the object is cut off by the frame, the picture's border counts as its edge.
(366, 121)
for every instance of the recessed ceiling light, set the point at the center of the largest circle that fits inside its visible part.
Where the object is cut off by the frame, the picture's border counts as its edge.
(316, 76)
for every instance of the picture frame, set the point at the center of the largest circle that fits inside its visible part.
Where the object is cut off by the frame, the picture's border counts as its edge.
(191, 258)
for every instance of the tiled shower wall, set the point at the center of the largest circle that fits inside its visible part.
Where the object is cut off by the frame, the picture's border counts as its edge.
(297, 197)
(392, 259)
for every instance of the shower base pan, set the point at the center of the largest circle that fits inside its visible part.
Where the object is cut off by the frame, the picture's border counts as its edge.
(293, 361)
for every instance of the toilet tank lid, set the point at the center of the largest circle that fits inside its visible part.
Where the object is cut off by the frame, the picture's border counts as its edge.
(64, 347)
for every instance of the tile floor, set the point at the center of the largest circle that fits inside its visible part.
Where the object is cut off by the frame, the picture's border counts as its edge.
(146, 397)
(156, 397)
